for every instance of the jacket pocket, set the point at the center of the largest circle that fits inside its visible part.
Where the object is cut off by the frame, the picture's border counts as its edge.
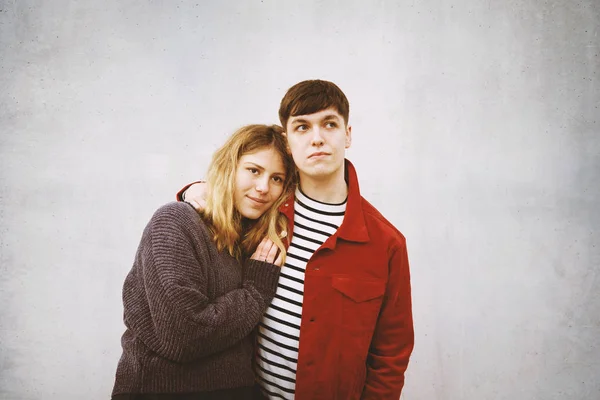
(359, 290)
(359, 301)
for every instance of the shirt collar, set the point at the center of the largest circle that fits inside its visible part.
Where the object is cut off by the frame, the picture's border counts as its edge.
(353, 228)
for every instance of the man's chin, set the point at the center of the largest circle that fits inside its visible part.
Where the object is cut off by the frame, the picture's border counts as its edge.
(317, 171)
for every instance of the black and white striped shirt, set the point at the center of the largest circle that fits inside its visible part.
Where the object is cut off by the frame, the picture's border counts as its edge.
(279, 330)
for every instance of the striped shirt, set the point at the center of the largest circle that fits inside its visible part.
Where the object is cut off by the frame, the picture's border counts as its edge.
(279, 330)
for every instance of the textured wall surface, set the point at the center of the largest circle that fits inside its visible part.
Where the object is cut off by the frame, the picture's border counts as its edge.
(476, 132)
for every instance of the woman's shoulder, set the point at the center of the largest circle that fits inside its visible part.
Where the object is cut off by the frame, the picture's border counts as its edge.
(177, 214)
(176, 208)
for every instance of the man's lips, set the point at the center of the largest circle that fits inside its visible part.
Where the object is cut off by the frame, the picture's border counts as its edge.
(318, 154)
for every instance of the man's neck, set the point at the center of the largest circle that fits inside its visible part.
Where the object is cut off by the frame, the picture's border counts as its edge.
(332, 191)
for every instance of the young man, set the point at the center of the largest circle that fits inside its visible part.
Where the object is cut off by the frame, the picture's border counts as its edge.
(340, 325)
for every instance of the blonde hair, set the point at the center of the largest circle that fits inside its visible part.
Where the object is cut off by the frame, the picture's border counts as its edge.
(230, 231)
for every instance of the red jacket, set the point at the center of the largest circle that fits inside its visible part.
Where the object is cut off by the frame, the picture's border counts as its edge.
(356, 334)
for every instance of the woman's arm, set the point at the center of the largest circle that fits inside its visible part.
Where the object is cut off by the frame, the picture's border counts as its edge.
(173, 263)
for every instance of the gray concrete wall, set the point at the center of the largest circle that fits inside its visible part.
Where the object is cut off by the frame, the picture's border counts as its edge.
(476, 132)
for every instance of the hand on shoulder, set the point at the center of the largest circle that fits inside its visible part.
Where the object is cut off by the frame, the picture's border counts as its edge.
(196, 195)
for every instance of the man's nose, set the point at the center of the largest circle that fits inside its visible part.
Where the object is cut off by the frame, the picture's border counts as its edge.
(317, 138)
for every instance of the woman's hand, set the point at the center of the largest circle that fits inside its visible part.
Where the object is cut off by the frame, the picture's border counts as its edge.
(267, 251)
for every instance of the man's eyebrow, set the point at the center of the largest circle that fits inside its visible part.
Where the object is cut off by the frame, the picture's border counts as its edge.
(326, 117)
(299, 120)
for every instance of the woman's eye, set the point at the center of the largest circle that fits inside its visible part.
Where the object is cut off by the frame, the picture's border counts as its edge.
(278, 179)
(253, 170)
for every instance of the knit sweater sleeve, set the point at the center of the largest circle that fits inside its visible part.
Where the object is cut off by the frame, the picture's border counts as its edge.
(181, 323)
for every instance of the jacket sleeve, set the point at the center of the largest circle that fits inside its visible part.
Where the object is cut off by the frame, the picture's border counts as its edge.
(179, 195)
(181, 323)
(393, 339)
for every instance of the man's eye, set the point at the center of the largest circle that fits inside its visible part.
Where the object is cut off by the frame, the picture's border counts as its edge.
(301, 128)
(331, 125)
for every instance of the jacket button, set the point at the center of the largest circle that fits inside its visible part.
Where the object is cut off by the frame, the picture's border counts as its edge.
(312, 319)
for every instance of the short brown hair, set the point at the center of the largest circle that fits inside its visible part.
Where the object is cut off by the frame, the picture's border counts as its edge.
(311, 96)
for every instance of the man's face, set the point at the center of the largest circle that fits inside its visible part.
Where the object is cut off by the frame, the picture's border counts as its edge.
(318, 143)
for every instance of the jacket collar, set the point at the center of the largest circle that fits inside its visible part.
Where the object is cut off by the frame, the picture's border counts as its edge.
(353, 226)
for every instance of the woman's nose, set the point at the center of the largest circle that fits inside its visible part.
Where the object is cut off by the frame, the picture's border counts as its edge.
(262, 186)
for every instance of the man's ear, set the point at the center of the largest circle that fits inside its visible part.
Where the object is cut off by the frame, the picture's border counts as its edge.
(348, 136)
(287, 145)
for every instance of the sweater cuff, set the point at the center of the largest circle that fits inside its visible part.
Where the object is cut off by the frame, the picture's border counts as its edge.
(264, 275)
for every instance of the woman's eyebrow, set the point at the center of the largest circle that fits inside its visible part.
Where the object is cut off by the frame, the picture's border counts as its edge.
(262, 168)
(255, 164)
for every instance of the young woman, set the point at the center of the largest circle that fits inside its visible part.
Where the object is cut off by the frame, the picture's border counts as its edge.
(201, 282)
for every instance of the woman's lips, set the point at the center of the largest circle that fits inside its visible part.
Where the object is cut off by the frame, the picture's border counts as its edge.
(257, 200)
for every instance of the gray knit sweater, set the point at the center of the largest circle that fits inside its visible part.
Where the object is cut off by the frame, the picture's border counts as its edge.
(189, 310)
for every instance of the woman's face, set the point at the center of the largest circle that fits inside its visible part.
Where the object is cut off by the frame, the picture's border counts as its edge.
(259, 181)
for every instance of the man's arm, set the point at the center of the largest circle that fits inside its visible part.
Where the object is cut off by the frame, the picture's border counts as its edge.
(193, 193)
(393, 340)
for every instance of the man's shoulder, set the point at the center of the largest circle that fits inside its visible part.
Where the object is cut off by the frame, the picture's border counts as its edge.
(376, 221)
